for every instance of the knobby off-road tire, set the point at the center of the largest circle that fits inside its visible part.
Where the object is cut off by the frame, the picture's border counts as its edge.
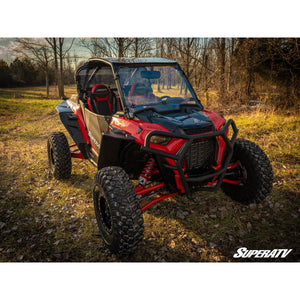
(59, 155)
(255, 172)
(118, 211)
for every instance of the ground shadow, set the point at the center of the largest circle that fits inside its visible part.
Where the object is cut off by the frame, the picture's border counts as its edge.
(212, 227)
(271, 225)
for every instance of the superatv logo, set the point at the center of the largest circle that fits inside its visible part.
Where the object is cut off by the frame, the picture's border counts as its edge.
(94, 140)
(275, 253)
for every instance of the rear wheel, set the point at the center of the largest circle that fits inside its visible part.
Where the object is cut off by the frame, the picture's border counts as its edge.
(118, 211)
(254, 170)
(59, 155)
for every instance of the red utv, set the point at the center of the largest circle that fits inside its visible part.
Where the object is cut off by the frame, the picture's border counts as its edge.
(141, 124)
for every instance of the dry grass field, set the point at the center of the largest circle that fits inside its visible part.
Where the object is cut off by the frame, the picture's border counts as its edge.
(43, 219)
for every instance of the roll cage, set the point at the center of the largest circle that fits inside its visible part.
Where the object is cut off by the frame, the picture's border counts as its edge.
(87, 73)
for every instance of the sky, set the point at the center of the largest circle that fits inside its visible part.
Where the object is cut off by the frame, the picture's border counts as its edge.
(7, 46)
(227, 19)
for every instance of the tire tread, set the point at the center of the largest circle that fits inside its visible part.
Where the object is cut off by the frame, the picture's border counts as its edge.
(127, 217)
(261, 167)
(62, 155)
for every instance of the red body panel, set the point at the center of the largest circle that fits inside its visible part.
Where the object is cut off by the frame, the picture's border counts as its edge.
(139, 130)
(217, 120)
(78, 112)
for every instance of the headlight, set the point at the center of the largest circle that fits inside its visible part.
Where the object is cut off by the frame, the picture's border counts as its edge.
(161, 140)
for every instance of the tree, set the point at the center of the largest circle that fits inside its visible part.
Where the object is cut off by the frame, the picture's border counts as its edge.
(205, 72)
(120, 46)
(38, 51)
(23, 71)
(245, 60)
(69, 70)
(59, 53)
(5, 77)
(141, 47)
(187, 51)
(219, 45)
(231, 47)
(95, 46)
(278, 61)
(159, 50)
(52, 42)
(108, 47)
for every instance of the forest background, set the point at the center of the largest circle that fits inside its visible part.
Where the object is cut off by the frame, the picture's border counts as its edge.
(230, 72)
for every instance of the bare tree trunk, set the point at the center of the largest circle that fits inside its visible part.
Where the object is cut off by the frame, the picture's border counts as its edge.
(229, 78)
(222, 61)
(75, 59)
(205, 63)
(159, 52)
(181, 86)
(120, 42)
(250, 44)
(61, 42)
(53, 43)
(47, 83)
(55, 61)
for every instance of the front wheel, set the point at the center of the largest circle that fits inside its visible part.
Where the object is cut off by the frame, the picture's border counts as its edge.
(118, 211)
(254, 171)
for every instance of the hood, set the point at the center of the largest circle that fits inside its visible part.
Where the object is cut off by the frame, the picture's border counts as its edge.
(192, 122)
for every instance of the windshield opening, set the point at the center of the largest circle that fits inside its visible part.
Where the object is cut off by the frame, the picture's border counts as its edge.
(154, 85)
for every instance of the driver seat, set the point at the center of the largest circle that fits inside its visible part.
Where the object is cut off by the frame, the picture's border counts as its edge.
(100, 101)
(139, 93)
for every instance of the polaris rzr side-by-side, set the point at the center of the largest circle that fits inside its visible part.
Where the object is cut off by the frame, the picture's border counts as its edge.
(141, 124)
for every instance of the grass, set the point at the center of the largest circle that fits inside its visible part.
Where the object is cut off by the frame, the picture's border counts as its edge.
(43, 219)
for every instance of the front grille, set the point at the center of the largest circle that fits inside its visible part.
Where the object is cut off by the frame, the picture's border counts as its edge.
(200, 154)
(203, 129)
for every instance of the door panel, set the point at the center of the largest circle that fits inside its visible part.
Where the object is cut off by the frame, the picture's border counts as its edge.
(96, 125)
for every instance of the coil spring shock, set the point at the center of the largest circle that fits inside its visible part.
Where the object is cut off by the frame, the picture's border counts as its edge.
(149, 170)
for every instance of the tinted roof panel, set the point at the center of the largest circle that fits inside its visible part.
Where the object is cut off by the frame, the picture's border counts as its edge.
(124, 61)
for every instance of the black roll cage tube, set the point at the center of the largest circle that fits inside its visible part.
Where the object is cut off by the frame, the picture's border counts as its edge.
(178, 157)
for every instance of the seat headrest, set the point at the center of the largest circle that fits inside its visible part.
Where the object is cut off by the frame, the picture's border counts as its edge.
(140, 89)
(100, 91)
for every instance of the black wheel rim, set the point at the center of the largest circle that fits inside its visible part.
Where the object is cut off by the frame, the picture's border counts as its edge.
(239, 173)
(104, 211)
(51, 157)
(244, 174)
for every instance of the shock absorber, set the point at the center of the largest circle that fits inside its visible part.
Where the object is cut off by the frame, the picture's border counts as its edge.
(149, 170)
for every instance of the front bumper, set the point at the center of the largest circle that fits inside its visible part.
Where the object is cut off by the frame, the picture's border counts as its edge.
(187, 182)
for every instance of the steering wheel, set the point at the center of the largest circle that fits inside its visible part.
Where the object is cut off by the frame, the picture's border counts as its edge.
(164, 98)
